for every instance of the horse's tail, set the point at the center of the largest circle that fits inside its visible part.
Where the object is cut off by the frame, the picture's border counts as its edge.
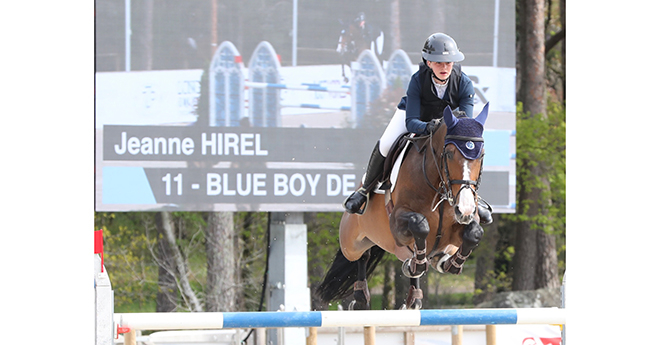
(338, 281)
(380, 40)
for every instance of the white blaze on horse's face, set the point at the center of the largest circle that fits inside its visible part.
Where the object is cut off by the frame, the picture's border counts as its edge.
(466, 205)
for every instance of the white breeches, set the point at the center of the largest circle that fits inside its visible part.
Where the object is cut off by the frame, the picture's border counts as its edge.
(395, 128)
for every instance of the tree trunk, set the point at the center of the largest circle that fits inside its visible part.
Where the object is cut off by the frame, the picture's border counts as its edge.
(221, 264)
(164, 222)
(562, 10)
(524, 260)
(214, 27)
(395, 26)
(532, 57)
(535, 250)
(389, 299)
(401, 286)
(486, 262)
(167, 298)
(547, 273)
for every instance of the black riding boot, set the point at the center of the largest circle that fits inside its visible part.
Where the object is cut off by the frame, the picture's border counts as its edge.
(485, 211)
(353, 204)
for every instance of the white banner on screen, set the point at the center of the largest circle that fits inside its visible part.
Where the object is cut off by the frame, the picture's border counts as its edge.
(170, 97)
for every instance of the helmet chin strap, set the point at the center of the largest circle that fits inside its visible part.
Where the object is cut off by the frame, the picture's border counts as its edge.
(433, 73)
(440, 80)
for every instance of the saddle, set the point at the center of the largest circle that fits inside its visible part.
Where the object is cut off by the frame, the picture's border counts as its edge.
(393, 162)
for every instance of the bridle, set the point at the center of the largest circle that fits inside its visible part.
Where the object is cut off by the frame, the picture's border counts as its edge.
(444, 190)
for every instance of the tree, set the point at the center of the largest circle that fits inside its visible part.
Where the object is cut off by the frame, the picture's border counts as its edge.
(221, 274)
(164, 224)
(535, 259)
(167, 298)
(128, 258)
(395, 25)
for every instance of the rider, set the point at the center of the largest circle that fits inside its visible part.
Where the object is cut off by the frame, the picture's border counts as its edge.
(438, 83)
(366, 29)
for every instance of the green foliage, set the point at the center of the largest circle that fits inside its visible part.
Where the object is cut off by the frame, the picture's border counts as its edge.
(451, 300)
(541, 158)
(322, 242)
(128, 259)
(540, 142)
(253, 243)
(130, 252)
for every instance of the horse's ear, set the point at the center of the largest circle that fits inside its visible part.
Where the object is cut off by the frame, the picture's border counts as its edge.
(483, 115)
(450, 119)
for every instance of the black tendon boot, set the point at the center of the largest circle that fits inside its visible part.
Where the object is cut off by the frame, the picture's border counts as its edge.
(485, 212)
(353, 204)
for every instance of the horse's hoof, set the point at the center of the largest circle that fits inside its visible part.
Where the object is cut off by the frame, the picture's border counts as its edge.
(355, 305)
(438, 264)
(414, 299)
(416, 305)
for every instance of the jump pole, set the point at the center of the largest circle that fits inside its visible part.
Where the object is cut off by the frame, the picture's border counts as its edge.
(431, 317)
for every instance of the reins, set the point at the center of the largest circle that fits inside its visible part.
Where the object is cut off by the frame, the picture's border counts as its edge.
(444, 191)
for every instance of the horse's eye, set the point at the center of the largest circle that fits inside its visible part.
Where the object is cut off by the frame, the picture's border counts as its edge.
(450, 154)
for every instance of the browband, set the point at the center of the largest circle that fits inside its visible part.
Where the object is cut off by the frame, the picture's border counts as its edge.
(463, 138)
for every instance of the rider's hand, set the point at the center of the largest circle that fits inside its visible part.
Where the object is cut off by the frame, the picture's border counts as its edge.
(432, 125)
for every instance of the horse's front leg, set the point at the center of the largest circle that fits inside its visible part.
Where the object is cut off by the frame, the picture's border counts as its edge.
(361, 295)
(407, 227)
(471, 237)
(412, 227)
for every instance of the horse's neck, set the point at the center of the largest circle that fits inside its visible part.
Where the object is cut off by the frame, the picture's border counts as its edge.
(438, 140)
(436, 147)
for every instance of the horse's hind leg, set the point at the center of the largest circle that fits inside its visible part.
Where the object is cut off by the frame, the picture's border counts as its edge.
(471, 238)
(360, 289)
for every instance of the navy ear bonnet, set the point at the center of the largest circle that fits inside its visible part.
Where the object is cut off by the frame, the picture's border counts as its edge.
(466, 133)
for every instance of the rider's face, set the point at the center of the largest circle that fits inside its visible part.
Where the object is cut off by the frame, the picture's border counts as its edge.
(441, 70)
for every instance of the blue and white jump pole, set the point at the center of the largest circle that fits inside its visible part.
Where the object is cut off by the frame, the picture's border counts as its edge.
(431, 317)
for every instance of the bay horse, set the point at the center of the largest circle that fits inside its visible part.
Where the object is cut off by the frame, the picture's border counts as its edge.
(433, 205)
(356, 37)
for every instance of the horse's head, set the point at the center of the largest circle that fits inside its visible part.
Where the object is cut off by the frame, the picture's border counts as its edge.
(461, 162)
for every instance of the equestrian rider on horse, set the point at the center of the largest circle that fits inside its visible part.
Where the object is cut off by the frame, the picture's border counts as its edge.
(438, 83)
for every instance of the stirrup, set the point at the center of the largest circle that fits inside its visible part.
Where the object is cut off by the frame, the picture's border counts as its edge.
(362, 208)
